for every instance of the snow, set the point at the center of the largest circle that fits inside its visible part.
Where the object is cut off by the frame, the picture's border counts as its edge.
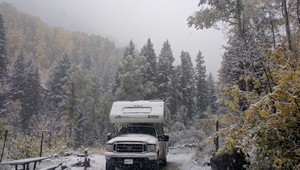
(179, 158)
(182, 158)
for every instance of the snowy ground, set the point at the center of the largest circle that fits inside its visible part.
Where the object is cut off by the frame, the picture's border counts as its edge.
(182, 158)
(179, 158)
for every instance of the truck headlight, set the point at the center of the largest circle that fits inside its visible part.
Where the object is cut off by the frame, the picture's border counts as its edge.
(151, 148)
(109, 147)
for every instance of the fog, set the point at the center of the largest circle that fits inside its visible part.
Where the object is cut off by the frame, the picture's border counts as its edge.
(123, 20)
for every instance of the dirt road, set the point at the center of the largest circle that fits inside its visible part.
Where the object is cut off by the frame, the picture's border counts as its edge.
(179, 158)
(182, 158)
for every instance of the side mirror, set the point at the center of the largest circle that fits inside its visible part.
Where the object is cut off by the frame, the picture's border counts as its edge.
(163, 138)
(109, 136)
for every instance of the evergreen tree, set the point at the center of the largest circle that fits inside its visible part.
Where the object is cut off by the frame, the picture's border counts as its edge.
(212, 96)
(132, 84)
(131, 77)
(75, 102)
(3, 53)
(173, 101)
(117, 82)
(58, 79)
(17, 92)
(54, 98)
(107, 80)
(164, 71)
(201, 85)
(88, 63)
(130, 50)
(92, 104)
(26, 90)
(148, 52)
(18, 79)
(31, 105)
(187, 86)
(3, 67)
(259, 76)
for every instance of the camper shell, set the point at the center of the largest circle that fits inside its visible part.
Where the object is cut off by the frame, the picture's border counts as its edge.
(124, 112)
(140, 142)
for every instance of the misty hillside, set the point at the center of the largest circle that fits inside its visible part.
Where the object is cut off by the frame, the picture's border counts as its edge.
(45, 45)
(62, 84)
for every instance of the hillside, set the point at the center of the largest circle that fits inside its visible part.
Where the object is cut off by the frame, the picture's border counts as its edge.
(44, 45)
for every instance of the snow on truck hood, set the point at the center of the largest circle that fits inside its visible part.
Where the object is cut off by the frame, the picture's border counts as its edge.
(134, 138)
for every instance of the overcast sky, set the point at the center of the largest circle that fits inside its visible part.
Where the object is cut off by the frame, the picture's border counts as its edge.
(122, 20)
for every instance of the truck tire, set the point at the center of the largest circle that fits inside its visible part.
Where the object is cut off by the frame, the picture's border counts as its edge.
(155, 167)
(107, 167)
(164, 161)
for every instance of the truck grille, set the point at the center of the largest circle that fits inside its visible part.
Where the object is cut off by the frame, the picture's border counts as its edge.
(130, 147)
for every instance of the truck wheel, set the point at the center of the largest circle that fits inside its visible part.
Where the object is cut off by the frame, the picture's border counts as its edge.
(155, 166)
(164, 161)
(107, 167)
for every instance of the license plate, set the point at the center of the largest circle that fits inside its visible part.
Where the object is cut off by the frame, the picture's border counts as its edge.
(128, 161)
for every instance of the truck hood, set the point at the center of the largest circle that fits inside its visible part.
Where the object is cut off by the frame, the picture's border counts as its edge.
(134, 138)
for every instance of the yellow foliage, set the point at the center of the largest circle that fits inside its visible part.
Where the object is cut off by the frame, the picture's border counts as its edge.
(24, 147)
(264, 114)
(271, 123)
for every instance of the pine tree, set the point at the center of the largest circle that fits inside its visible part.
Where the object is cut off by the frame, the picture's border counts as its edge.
(150, 76)
(55, 97)
(88, 63)
(26, 90)
(92, 103)
(3, 67)
(75, 102)
(187, 86)
(164, 71)
(31, 105)
(201, 85)
(18, 79)
(130, 50)
(58, 79)
(3, 53)
(173, 101)
(17, 84)
(212, 96)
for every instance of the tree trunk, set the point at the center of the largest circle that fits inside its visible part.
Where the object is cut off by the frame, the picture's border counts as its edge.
(287, 24)
(298, 11)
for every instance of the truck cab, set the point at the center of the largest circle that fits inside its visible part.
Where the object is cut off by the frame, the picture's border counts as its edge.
(140, 141)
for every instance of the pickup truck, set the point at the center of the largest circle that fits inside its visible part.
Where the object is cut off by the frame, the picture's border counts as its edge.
(140, 142)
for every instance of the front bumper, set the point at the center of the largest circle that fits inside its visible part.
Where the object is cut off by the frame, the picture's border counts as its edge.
(138, 160)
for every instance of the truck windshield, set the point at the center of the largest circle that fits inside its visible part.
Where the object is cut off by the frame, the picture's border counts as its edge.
(137, 130)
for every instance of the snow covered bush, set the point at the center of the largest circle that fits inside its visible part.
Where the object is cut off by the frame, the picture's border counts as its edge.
(269, 128)
(23, 146)
(200, 131)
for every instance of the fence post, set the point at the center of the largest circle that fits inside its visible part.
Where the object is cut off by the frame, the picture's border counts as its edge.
(50, 135)
(217, 138)
(5, 137)
(85, 160)
(41, 147)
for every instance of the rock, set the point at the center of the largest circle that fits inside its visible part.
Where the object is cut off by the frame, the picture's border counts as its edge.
(236, 160)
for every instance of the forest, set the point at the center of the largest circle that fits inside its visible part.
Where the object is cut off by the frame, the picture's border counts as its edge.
(63, 83)
(259, 80)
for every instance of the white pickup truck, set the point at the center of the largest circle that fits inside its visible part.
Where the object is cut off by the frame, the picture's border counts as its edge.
(140, 142)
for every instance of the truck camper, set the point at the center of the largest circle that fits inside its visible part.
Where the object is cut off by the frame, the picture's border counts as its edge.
(140, 142)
